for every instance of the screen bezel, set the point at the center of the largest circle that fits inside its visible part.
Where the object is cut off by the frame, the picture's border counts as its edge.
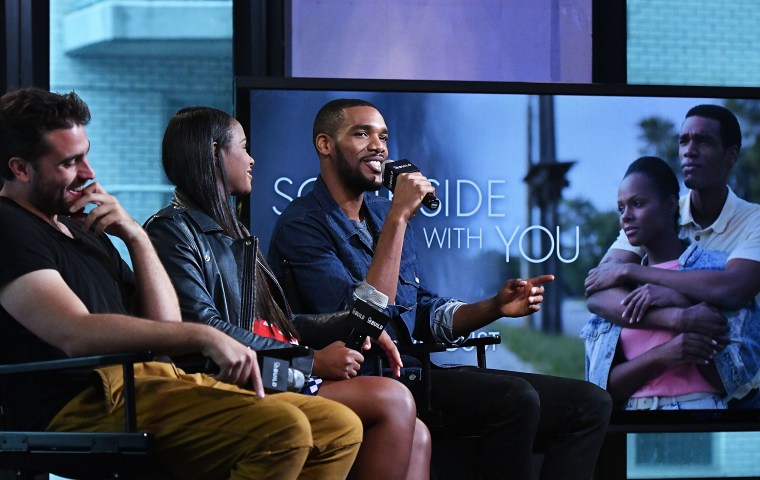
(629, 421)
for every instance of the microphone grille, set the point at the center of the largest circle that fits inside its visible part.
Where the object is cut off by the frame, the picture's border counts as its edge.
(296, 379)
(382, 166)
(386, 175)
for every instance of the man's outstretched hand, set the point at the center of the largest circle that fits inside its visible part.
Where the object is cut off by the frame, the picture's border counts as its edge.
(518, 297)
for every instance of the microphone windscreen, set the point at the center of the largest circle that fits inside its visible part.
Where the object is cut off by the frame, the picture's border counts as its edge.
(384, 172)
(391, 169)
(296, 380)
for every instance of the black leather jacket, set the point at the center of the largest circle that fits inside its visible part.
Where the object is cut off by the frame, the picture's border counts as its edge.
(207, 267)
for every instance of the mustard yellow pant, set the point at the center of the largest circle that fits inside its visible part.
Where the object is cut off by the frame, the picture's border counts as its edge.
(207, 429)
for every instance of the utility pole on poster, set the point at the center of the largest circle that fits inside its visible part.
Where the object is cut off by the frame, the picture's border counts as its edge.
(545, 179)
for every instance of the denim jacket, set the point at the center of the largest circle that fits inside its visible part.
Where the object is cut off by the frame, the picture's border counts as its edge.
(737, 364)
(329, 257)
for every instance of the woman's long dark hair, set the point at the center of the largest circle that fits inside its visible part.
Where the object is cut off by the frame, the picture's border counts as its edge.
(197, 169)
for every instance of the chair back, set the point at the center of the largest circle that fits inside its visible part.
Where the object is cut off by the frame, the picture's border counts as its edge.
(290, 288)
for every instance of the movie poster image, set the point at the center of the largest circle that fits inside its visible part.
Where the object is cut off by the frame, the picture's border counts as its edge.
(527, 183)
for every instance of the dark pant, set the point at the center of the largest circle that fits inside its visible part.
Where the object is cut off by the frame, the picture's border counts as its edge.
(516, 413)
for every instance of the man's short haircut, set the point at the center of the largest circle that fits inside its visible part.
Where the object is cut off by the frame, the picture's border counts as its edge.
(730, 132)
(331, 115)
(27, 115)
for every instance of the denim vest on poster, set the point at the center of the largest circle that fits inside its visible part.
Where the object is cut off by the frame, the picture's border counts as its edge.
(737, 364)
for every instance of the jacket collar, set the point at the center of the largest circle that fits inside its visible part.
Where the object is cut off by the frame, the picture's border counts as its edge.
(690, 255)
(338, 219)
(204, 222)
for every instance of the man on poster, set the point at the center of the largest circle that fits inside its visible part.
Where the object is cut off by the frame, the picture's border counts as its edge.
(712, 216)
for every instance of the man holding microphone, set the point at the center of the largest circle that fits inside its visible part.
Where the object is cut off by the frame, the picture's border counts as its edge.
(337, 239)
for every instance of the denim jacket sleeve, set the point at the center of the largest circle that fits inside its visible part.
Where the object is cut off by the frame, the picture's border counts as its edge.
(329, 260)
(196, 277)
(739, 362)
(600, 341)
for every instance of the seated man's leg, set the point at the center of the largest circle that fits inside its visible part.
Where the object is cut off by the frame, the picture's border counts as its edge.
(574, 418)
(504, 410)
(207, 429)
(337, 434)
(566, 418)
(336, 431)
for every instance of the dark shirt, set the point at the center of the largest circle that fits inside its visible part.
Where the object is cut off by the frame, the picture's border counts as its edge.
(90, 266)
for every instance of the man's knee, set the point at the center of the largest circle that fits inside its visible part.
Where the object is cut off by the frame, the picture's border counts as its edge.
(520, 400)
(345, 425)
(593, 402)
(506, 402)
(287, 427)
(333, 425)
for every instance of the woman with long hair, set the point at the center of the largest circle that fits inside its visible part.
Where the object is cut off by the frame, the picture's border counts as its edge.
(224, 281)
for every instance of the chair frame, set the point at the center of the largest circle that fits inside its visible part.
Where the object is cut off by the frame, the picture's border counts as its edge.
(124, 454)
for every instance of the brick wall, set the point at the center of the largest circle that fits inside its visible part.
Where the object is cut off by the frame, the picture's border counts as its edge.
(132, 98)
(694, 42)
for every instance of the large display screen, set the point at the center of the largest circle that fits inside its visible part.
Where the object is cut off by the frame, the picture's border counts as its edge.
(527, 176)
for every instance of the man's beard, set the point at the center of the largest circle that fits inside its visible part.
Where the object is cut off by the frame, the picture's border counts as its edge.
(352, 177)
(46, 197)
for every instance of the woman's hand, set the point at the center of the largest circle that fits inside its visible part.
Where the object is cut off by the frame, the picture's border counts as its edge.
(391, 351)
(337, 362)
(642, 298)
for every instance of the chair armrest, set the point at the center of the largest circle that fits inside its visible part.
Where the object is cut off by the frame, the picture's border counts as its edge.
(420, 348)
(127, 360)
(480, 344)
(288, 353)
(93, 361)
(81, 454)
(482, 341)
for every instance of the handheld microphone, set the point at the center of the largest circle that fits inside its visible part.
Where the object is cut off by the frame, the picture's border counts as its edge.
(277, 374)
(296, 380)
(391, 169)
(368, 320)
